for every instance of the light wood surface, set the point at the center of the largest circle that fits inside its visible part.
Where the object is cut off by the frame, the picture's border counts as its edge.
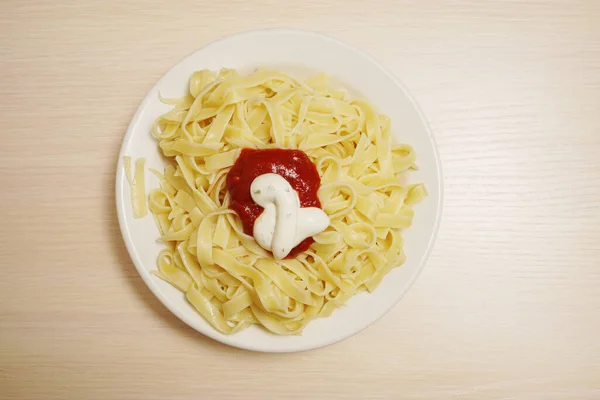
(508, 306)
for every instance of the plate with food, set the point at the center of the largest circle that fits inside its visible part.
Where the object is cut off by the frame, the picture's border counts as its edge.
(279, 190)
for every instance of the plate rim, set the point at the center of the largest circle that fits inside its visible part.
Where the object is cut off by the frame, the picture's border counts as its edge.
(147, 277)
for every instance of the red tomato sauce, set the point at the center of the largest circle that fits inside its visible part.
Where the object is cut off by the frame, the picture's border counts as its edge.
(293, 165)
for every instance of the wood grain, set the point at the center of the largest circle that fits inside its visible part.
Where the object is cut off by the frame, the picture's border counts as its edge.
(508, 306)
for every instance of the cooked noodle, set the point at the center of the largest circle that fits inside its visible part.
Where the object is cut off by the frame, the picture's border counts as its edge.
(225, 274)
(137, 186)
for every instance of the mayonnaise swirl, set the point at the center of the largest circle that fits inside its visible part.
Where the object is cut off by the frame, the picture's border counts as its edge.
(283, 224)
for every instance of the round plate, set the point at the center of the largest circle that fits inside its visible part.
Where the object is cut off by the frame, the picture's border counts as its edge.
(294, 52)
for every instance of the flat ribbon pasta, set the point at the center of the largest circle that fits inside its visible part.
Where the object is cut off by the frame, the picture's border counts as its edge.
(225, 275)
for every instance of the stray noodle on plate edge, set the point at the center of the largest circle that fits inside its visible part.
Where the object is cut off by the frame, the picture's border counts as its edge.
(230, 280)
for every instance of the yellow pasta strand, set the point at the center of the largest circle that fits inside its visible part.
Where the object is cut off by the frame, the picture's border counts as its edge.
(137, 185)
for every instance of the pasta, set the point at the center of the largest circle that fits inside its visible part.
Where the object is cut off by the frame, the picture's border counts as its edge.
(230, 280)
(137, 186)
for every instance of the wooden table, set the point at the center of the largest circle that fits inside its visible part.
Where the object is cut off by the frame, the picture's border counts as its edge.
(508, 306)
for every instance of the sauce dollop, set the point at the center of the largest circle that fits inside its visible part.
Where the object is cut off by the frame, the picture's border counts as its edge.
(293, 165)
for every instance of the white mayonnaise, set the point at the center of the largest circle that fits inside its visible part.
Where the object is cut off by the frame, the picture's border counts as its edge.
(283, 224)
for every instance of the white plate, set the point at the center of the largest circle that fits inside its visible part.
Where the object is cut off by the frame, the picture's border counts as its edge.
(294, 52)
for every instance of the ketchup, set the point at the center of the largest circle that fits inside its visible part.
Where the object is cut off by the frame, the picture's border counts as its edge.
(293, 165)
